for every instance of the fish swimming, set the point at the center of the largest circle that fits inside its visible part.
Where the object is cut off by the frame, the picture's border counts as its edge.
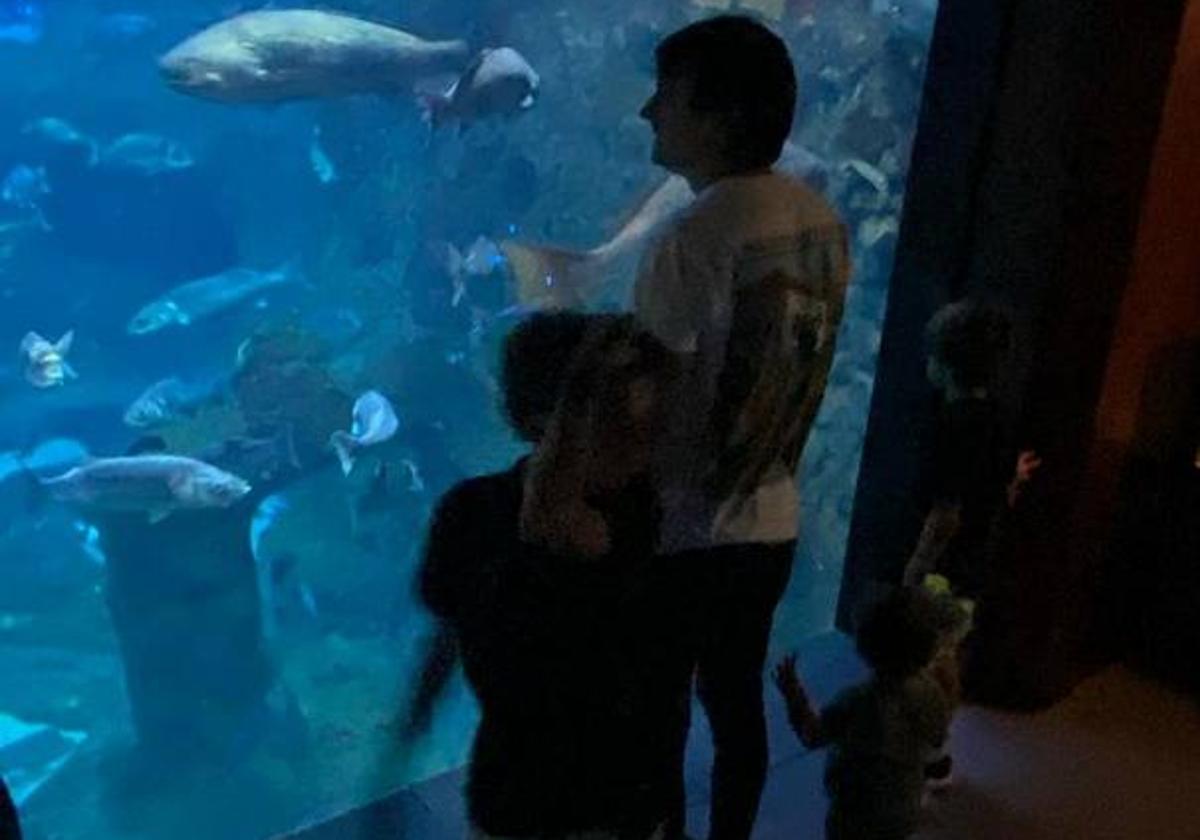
(46, 364)
(59, 132)
(374, 422)
(154, 484)
(23, 188)
(322, 165)
(281, 55)
(145, 154)
(499, 82)
(164, 401)
(551, 277)
(198, 299)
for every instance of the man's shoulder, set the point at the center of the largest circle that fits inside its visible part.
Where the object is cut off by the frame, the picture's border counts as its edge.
(483, 492)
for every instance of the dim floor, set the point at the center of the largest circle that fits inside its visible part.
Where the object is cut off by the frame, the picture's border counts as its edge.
(1118, 760)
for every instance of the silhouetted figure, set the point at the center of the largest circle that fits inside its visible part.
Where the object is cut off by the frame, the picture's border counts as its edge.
(880, 732)
(554, 643)
(10, 826)
(974, 480)
(746, 286)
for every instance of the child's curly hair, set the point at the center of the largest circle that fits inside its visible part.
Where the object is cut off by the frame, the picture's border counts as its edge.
(895, 636)
(969, 339)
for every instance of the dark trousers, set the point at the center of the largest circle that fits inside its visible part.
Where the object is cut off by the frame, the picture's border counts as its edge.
(733, 592)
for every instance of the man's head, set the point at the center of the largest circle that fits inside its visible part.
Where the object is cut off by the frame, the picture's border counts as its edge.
(725, 99)
(967, 342)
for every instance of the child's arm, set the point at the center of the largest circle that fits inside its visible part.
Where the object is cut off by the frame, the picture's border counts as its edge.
(941, 525)
(803, 717)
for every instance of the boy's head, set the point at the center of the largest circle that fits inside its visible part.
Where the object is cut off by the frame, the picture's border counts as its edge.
(602, 367)
(536, 359)
(967, 341)
(896, 636)
(725, 98)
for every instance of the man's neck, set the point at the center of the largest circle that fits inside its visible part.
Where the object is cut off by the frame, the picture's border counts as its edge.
(703, 178)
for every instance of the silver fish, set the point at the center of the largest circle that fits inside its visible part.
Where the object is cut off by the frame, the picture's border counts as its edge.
(154, 484)
(207, 296)
(146, 154)
(166, 400)
(279, 55)
(374, 422)
(61, 133)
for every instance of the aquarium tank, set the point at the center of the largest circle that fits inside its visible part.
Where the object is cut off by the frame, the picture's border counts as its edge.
(300, 285)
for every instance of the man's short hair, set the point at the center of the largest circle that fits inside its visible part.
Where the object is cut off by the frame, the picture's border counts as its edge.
(740, 70)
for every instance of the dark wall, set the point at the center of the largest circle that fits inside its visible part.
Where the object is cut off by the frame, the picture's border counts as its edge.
(1028, 173)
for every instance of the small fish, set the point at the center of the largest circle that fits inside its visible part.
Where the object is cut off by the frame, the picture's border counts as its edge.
(164, 401)
(22, 21)
(24, 186)
(499, 82)
(156, 485)
(480, 260)
(188, 303)
(374, 422)
(322, 164)
(89, 541)
(145, 154)
(46, 364)
(59, 132)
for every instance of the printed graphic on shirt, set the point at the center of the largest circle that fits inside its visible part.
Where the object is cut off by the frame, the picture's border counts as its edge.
(787, 302)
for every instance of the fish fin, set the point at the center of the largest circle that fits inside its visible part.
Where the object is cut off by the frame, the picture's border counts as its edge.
(29, 341)
(69, 371)
(550, 278)
(343, 445)
(157, 515)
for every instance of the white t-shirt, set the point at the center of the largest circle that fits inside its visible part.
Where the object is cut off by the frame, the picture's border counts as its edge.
(746, 284)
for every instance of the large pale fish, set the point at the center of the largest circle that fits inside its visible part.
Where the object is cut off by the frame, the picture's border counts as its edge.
(552, 277)
(374, 422)
(279, 55)
(154, 484)
(207, 296)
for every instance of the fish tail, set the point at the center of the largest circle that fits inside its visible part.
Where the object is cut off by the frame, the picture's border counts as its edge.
(550, 278)
(343, 445)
